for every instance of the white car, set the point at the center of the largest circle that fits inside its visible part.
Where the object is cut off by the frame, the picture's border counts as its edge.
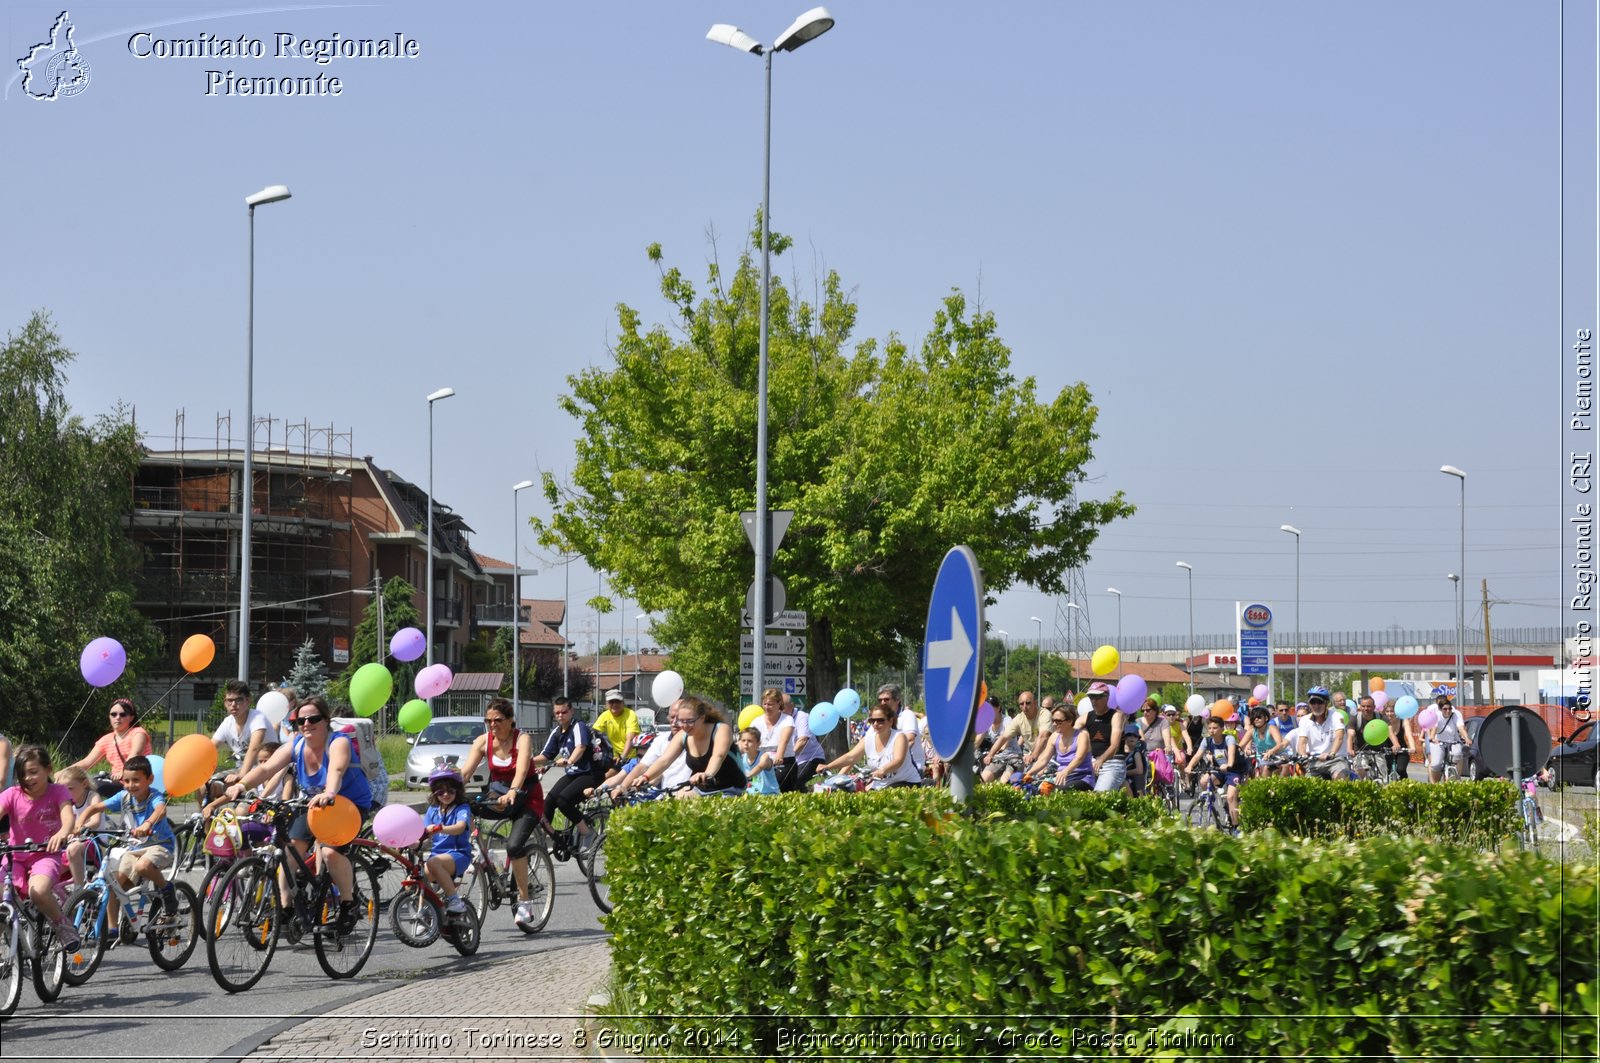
(448, 739)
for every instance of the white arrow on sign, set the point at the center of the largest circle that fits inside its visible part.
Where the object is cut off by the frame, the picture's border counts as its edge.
(952, 653)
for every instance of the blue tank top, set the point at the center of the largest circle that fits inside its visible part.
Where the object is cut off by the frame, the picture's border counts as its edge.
(352, 785)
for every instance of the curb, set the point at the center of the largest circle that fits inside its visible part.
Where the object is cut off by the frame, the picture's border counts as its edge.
(593, 1024)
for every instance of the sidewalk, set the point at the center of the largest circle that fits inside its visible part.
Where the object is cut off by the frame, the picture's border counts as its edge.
(530, 1008)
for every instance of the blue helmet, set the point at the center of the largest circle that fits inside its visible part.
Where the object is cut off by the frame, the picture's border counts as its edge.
(1317, 692)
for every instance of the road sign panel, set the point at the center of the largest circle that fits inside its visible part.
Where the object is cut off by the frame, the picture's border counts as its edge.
(953, 651)
(785, 645)
(775, 665)
(789, 684)
(787, 620)
(777, 519)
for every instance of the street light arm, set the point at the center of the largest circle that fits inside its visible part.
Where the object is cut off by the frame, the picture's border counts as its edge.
(442, 393)
(734, 37)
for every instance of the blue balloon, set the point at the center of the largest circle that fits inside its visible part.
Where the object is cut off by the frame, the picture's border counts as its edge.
(824, 718)
(158, 768)
(848, 702)
(1406, 707)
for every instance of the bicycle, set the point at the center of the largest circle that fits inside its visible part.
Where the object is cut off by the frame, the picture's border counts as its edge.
(170, 938)
(26, 939)
(229, 837)
(1528, 806)
(1208, 806)
(602, 803)
(1288, 764)
(1371, 765)
(417, 913)
(493, 880)
(244, 919)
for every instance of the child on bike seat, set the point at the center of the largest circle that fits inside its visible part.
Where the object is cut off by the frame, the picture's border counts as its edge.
(756, 764)
(144, 816)
(447, 822)
(76, 780)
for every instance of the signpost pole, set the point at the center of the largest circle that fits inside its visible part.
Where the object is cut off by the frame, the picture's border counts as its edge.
(952, 664)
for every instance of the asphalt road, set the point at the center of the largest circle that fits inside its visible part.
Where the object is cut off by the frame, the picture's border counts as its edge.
(131, 1010)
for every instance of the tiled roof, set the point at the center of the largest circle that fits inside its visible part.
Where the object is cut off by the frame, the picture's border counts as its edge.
(477, 682)
(485, 561)
(546, 611)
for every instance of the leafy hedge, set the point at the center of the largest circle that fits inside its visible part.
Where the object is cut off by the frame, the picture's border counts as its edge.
(1481, 814)
(852, 925)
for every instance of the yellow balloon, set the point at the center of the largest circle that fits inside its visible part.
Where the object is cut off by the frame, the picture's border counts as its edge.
(748, 715)
(1105, 660)
(190, 762)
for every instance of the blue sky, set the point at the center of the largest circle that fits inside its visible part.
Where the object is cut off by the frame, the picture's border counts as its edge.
(1301, 254)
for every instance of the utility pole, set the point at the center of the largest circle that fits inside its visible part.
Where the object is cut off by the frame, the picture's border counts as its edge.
(1488, 642)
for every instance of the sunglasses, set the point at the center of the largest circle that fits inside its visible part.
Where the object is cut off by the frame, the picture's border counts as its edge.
(114, 715)
(444, 788)
(1058, 719)
(877, 719)
(490, 721)
(307, 721)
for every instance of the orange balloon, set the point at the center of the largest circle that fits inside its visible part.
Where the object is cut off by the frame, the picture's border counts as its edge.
(190, 762)
(983, 691)
(334, 824)
(1375, 683)
(197, 653)
(1222, 710)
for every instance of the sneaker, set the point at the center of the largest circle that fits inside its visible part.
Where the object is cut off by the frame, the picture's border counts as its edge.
(169, 899)
(455, 905)
(523, 914)
(67, 934)
(347, 916)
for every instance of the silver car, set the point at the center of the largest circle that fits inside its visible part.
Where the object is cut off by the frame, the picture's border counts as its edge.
(448, 739)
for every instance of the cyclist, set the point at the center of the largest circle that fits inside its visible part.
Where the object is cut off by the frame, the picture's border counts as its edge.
(514, 792)
(1284, 730)
(704, 742)
(1444, 739)
(1055, 753)
(1017, 739)
(1259, 737)
(808, 754)
(125, 740)
(619, 724)
(448, 821)
(1101, 741)
(39, 811)
(777, 733)
(1321, 738)
(677, 771)
(326, 765)
(887, 751)
(1396, 753)
(1367, 759)
(76, 780)
(1217, 760)
(571, 748)
(243, 732)
(906, 722)
(144, 816)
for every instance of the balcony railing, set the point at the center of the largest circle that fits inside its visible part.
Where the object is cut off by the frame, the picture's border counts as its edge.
(216, 586)
(495, 613)
(447, 611)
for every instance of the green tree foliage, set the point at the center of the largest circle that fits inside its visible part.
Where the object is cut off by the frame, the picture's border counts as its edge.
(888, 456)
(308, 676)
(612, 648)
(399, 610)
(66, 564)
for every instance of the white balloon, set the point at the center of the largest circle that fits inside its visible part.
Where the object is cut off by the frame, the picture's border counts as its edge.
(1196, 703)
(1084, 708)
(667, 688)
(274, 706)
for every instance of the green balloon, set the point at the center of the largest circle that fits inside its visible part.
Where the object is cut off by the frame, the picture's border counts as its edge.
(370, 688)
(1376, 732)
(414, 716)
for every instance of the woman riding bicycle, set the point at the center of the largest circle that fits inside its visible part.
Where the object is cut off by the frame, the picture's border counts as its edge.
(1056, 750)
(125, 739)
(705, 743)
(887, 752)
(514, 792)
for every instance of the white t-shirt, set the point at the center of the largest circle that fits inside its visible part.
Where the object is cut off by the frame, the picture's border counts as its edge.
(912, 727)
(1451, 726)
(771, 731)
(237, 738)
(1321, 739)
(808, 748)
(878, 756)
(675, 775)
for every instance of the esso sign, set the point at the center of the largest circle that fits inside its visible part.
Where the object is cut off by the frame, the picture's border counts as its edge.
(1257, 615)
(1218, 660)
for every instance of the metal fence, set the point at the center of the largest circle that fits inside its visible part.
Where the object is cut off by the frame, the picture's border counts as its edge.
(1535, 639)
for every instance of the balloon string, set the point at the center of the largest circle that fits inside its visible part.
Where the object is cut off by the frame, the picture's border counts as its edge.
(156, 704)
(74, 722)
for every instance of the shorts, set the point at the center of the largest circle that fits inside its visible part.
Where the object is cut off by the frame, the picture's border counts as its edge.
(24, 865)
(1436, 753)
(1228, 778)
(300, 830)
(462, 860)
(1327, 769)
(1113, 773)
(159, 855)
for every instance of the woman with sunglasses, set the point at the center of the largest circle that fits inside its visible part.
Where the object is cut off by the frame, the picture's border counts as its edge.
(125, 740)
(705, 742)
(326, 765)
(514, 792)
(1054, 753)
(887, 752)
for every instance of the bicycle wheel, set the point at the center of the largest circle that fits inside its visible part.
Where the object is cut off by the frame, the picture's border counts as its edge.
(599, 888)
(1530, 825)
(10, 963)
(82, 910)
(414, 921)
(242, 919)
(475, 885)
(49, 961)
(343, 954)
(173, 937)
(464, 930)
(584, 845)
(541, 887)
(1196, 814)
(208, 891)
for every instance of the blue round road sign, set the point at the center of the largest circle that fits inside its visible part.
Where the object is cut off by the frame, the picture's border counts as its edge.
(952, 651)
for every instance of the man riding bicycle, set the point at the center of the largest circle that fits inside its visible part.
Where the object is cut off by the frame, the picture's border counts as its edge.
(1321, 738)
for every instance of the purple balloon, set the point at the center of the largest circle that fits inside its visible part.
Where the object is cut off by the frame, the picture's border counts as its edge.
(1261, 692)
(1380, 698)
(985, 718)
(1131, 692)
(408, 644)
(433, 681)
(102, 662)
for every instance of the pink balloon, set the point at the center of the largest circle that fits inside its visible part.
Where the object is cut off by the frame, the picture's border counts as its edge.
(397, 826)
(408, 644)
(1380, 698)
(433, 681)
(1131, 692)
(1261, 692)
(985, 718)
(1428, 717)
(102, 662)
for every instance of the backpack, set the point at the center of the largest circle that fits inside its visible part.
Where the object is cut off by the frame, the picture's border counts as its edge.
(602, 757)
(1161, 766)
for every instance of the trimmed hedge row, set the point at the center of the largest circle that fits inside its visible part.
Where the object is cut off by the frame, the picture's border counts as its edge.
(1480, 814)
(852, 925)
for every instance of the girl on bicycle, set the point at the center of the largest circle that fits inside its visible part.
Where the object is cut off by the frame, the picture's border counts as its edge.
(1259, 737)
(40, 811)
(1217, 760)
(1055, 751)
(447, 822)
(756, 764)
(514, 792)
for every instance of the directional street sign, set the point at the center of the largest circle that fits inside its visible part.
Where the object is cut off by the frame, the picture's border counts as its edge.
(787, 620)
(785, 645)
(775, 664)
(789, 684)
(953, 651)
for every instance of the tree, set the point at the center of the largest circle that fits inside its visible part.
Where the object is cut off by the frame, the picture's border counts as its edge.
(888, 457)
(66, 563)
(398, 611)
(307, 676)
(542, 681)
(612, 648)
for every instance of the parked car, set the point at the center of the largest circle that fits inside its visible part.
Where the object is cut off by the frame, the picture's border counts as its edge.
(448, 738)
(1475, 767)
(1573, 759)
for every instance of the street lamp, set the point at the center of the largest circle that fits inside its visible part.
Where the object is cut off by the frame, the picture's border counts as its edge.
(636, 620)
(433, 397)
(1006, 675)
(1461, 598)
(1292, 530)
(1072, 643)
(516, 596)
(1113, 590)
(1456, 590)
(1190, 569)
(807, 27)
(270, 194)
(1038, 662)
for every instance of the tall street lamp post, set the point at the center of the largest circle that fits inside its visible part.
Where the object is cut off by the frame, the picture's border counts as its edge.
(516, 598)
(1190, 569)
(807, 27)
(1007, 673)
(1113, 590)
(1072, 644)
(1038, 662)
(433, 397)
(636, 620)
(1292, 530)
(1456, 591)
(1461, 595)
(270, 194)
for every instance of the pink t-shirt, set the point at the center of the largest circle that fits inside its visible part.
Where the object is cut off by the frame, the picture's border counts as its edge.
(116, 750)
(34, 821)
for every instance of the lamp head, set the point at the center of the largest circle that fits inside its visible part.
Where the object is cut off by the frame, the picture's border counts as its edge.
(1291, 529)
(1186, 565)
(734, 37)
(1113, 590)
(1451, 470)
(808, 27)
(269, 194)
(442, 393)
(523, 486)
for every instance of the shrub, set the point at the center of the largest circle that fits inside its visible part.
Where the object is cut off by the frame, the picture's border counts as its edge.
(1481, 814)
(813, 927)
